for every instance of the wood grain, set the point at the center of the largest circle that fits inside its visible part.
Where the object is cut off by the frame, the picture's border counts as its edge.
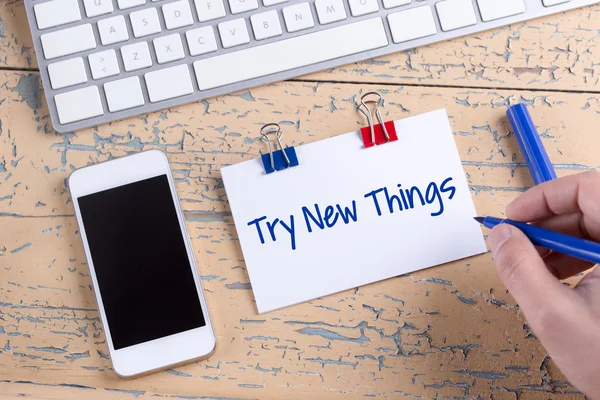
(448, 332)
(406, 336)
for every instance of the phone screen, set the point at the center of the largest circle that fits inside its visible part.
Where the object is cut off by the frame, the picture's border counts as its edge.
(139, 255)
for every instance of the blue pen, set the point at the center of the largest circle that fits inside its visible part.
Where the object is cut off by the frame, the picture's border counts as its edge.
(559, 242)
(531, 145)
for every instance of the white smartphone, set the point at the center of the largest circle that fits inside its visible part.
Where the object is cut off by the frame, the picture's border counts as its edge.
(142, 264)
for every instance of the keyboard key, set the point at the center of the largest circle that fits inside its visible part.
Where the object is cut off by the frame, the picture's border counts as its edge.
(123, 4)
(240, 6)
(362, 7)
(209, 9)
(455, 14)
(496, 9)
(177, 14)
(78, 104)
(113, 30)
(395, 3)
(145, 22)
(169, 83)
(268, 3)
(298, 17)
(93, 8)
(124, 94)
(104, 64)
(136, 56)
(266, 25)
(56, 12)
(201, 40)
(412, 24)
(68, 41)
(330, 11)
(233, 33)
(168, 48)
(550, 3)
(67, 73)
(308, 49)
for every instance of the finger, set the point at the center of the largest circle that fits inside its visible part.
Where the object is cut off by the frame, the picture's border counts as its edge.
(560, 265)
(526, 276)
(571, 194)
(563, 266)
(569, 224)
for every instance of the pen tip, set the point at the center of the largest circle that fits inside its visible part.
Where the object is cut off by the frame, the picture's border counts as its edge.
(479, 219)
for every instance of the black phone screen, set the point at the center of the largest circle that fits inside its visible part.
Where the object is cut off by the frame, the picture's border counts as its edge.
(139, 255)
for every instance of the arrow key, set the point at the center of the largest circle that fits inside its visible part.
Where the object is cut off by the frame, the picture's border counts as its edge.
(103, 64)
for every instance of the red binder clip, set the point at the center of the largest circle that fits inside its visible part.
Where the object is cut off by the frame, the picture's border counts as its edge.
(376, 134)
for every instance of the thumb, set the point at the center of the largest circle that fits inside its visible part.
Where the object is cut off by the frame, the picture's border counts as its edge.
(537, 291)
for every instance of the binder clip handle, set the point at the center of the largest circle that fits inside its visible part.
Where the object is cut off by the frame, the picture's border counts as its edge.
(366, 111)
(277, 159)
(380, 133)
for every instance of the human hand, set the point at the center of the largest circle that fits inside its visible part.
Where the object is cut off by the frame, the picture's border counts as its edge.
(567, 321)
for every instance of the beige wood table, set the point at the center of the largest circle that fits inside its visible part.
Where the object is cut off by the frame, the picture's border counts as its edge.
(447, 332)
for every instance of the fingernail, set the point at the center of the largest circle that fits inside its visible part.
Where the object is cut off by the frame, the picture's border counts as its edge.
(499, 235)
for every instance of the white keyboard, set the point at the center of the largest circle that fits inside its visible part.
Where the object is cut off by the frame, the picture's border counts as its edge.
(103, 60)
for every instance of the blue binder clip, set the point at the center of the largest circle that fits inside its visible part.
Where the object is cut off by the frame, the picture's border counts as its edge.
(280, 159)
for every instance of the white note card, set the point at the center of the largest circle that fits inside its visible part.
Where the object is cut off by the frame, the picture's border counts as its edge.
(348, 216)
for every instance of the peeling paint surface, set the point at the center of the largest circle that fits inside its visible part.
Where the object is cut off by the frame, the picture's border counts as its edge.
(28, 89)
(450, 332)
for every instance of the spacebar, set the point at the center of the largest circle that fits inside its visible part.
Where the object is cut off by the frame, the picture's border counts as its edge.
(288, 54)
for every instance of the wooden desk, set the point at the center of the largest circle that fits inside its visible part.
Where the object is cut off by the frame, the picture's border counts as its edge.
(448, 332)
